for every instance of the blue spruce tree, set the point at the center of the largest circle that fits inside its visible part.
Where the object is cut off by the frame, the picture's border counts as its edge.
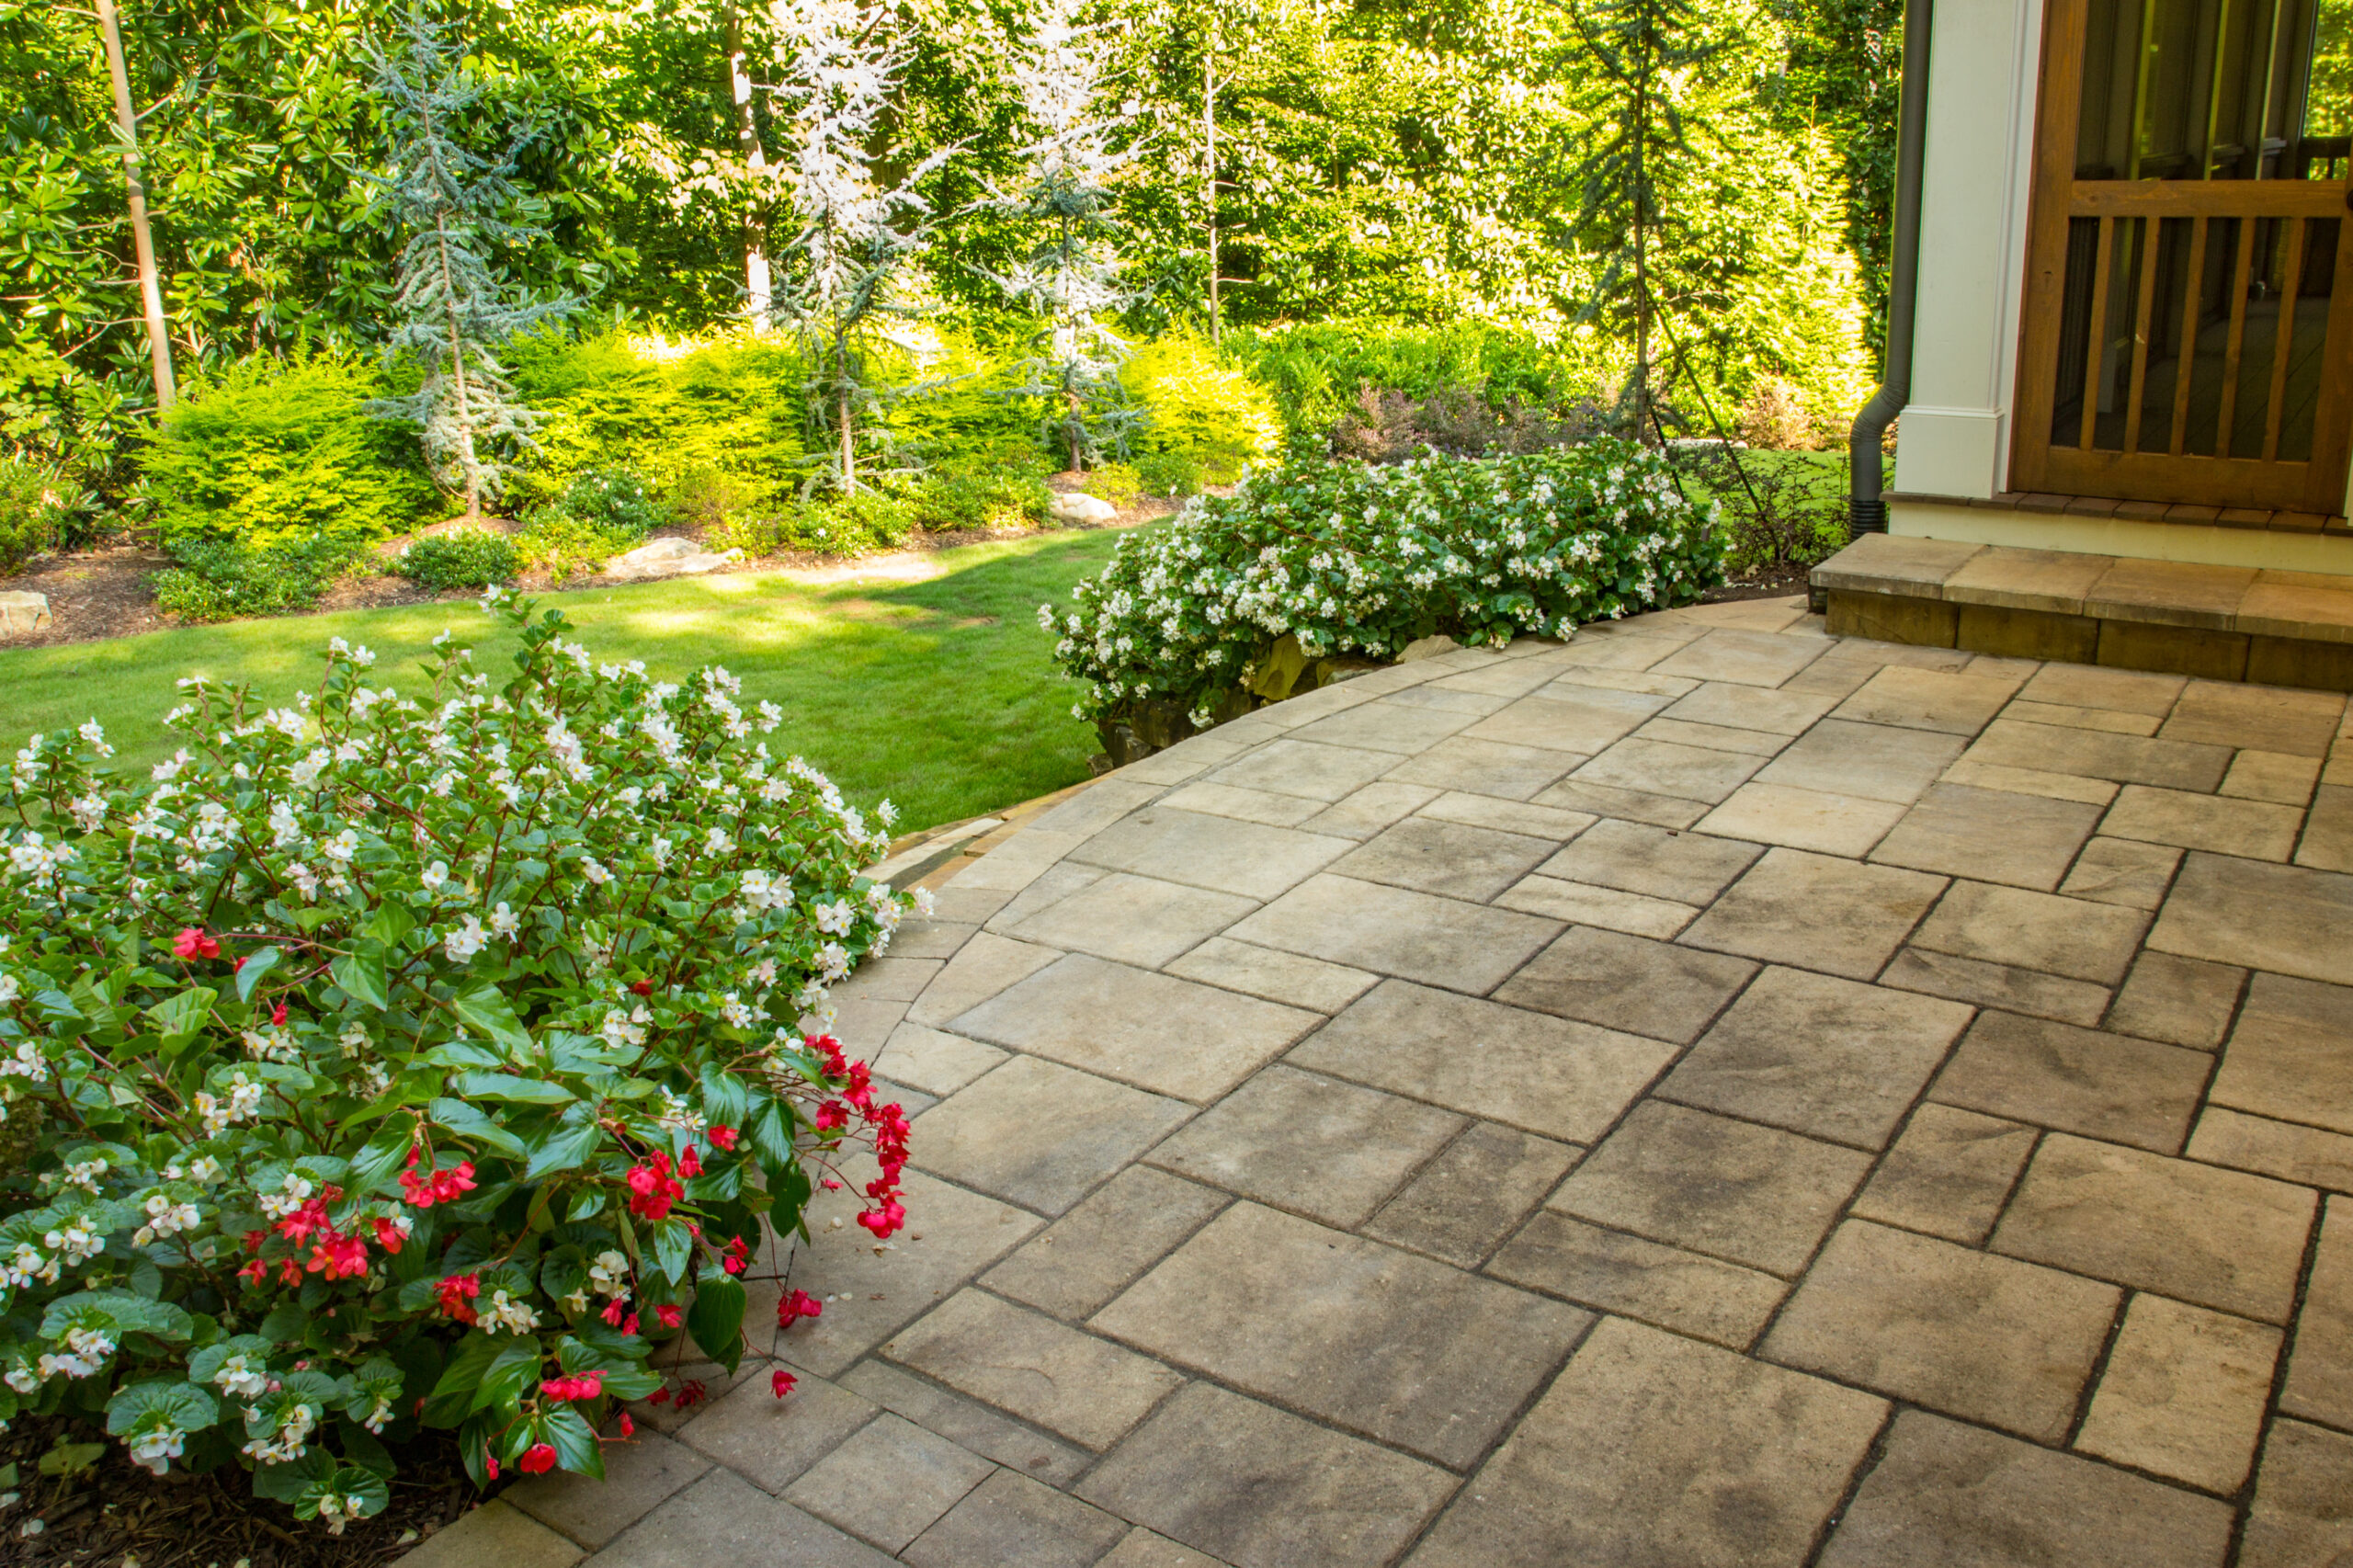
(452, 310)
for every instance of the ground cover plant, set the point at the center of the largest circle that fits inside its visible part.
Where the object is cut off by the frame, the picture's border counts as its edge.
(394, 1060)
(1229, 604)
(861, 665)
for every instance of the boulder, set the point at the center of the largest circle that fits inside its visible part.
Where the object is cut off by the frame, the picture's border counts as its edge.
(1427, 647)
(671, 557)
(21, 611)
(1079, 508)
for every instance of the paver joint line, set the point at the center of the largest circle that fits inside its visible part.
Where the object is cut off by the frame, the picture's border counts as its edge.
(1706, 1092)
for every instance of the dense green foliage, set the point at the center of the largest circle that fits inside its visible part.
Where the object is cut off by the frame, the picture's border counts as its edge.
(1400, 162)
(225, 579)
(1322, 559)
(271, 452)
(255, 1001)
(462, 558)
(28, 513)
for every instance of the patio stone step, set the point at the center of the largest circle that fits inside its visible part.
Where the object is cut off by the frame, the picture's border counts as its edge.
(2231, 623)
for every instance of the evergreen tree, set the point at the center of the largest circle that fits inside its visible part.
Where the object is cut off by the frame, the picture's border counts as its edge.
(1646, 55)
(453, 311)
(837, 62)
(1076, 277)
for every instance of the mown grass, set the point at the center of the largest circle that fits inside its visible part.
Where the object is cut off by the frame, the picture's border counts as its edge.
(941, 695)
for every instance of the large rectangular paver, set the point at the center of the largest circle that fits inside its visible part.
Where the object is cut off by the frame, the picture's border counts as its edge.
(2262, 718)
(1695, 773)
(1579, 720)
(2287, 919)
(1993, 836)
(2075, 938)
(1486, 768)
(1133, 919)
(1819, 1055)
(1401, 727)
(2302, 1513)
(1661, 989)
(1453, 860)
(1439, 941)
(1745, 658)
(2078, 1080)
(2184, 1393)
(1293, 767)
(724, 1519)
(1956, 704)
(982, 967)
(1879, 762)
(1754, 1195)
(1818, 820)
(1954, 1497)
(2006, 987)
(1168, 1035)
(1785, 712)
(2090, 754)
(929, 1476)
(1088, 1390)
(1040, 1134)
(1384, 1342)
(1320, 1147)
(1653, 1449)
(2288, 1058)
(1555, 1077)
(1961, 1331)
(1011, 1518)
(1260, 1488)
(1215, 852)
(2223, 1239)
(2260, 830)
(1818, 911)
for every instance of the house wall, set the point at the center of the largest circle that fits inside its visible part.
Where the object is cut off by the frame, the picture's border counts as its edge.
(1955, 435)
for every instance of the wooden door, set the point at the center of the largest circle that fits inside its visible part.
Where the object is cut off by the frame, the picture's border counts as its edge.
(2187, 324)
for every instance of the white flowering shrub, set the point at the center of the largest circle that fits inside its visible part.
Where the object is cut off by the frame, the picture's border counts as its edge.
(1342, 557)
(414, 1059)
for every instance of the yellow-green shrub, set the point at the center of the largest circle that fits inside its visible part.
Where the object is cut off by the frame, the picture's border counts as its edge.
(1196, 403)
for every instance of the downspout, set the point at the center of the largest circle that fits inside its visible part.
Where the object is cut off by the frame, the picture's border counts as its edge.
(1865, 511)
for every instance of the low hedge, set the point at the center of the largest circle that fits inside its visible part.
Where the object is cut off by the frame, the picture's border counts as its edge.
(1225, 605)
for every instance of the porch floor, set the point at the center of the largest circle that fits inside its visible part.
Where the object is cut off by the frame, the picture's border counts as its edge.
(1710, 1093)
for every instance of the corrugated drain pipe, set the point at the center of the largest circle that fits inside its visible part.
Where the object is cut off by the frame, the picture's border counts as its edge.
(1866, 511)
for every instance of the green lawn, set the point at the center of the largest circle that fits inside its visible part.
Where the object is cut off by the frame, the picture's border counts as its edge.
(941, 695)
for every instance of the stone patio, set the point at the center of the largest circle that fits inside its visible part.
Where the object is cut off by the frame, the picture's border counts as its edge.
(1708, 1093)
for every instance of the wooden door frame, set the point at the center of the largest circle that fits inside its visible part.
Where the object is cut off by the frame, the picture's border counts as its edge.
(2035, 464)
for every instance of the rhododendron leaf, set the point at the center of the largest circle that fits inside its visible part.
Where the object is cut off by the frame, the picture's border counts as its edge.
(574, 1441)
(178, 1017)
(485, 1008)
(716, 1319)
(467, 1122)
(360, 974)
(258, 962)
(514, 1366)
(673, 1247)
(508, 1086)
(163, 1403)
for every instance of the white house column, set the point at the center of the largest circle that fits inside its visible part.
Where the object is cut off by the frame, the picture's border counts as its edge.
(1955, 435)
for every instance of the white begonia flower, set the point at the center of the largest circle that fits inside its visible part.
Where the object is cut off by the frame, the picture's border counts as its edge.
(468, 940)
(506, 923)
(433, 875)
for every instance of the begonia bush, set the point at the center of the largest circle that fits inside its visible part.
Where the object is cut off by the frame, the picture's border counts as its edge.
(1342, 557)
(397, 1059)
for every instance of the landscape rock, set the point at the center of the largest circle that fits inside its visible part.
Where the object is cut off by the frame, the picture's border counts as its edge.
(670, 557)
(1079, 508)
(21, 611)
(1427, 647)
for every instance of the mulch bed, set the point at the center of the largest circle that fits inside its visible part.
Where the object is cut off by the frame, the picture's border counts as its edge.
(1778, 583)
(116, 1513)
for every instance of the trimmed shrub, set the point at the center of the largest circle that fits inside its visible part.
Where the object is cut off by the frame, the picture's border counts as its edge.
(462, 558)
(601, 514)
(275, 452)
(1169, 473)
(421, 1062)
(1227, 605)
(1197, 404)
(230, 579)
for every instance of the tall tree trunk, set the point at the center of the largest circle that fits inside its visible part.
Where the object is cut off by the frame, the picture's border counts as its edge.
(759, 288)
(1209, 173)
(1642, 246)
(151, 290)
(842, 414)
